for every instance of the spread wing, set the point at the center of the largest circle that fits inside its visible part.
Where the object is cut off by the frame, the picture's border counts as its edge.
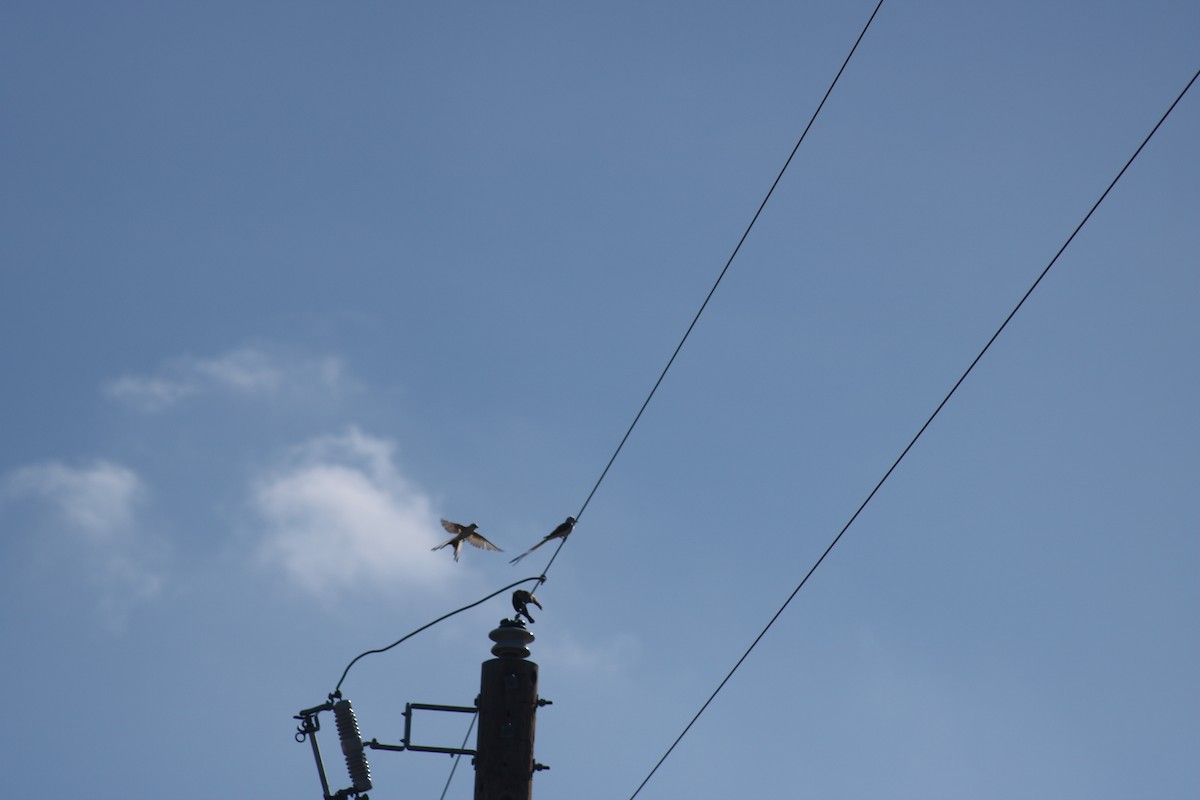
(482, 543)
(454, 527)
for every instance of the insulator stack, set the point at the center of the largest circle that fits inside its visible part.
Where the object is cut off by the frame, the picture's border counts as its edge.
(352, 746)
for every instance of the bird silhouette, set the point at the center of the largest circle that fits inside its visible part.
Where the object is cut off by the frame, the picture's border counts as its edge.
(560, 532)
(521, 601)
(464, 533)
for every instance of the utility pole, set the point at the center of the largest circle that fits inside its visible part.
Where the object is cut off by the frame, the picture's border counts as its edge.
(507, 707)
(508, 703)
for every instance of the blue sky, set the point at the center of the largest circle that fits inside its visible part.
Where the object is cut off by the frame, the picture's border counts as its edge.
(282, 284)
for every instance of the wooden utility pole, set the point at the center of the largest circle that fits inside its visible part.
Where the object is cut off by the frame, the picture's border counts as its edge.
(508, 702)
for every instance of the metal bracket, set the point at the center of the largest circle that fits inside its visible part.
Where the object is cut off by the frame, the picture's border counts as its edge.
(409, 708)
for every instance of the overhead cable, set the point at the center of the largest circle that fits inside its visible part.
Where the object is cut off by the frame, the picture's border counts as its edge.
(900, 458)
(720, 277)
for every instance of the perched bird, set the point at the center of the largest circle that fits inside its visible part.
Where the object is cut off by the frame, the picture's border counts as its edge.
(465, 533)
(558, 533)
(521, 601)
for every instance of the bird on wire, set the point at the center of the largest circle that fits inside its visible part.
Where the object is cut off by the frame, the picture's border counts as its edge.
(560, 532)
(521, 601)
(465, 533)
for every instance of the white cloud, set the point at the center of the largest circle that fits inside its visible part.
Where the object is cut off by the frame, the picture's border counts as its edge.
(339, 514)
(95, 514)
(245, 371)
(97, 500)
(148, 394)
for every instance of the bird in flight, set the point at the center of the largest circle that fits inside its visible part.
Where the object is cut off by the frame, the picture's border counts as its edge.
(558, 533)
(464, 533)
(521, 601)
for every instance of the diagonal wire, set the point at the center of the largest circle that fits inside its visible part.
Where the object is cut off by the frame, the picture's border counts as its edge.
(900, 458)
(717, 283)
(458, 757)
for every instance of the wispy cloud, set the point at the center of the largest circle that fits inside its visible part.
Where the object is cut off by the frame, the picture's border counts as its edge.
(97, 500)
(339, 514)
(245, 371)
(94, 512)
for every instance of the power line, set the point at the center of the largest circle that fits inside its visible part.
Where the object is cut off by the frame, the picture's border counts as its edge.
(428, 625)
(900, 458)
(712, 291)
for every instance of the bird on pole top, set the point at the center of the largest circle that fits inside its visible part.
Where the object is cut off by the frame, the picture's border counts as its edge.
(561, 532)
(464, 533)
(521, 600)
